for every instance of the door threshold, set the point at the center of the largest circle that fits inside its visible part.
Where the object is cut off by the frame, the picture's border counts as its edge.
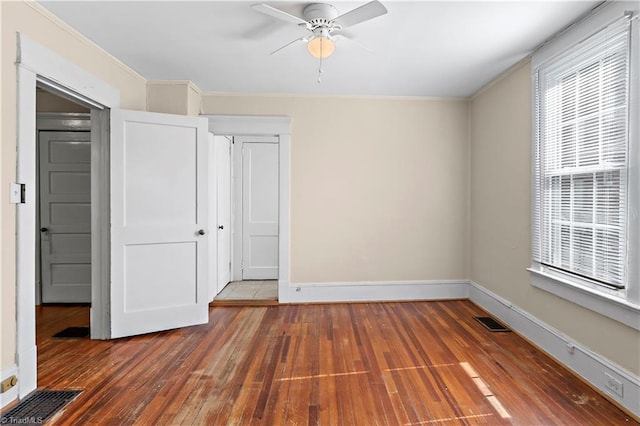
(241, 302)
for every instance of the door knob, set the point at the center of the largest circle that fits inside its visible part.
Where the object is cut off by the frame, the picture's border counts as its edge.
(45, 230)
(220, 226)
(202, 232)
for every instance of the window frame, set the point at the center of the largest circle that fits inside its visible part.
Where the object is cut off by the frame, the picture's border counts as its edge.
(622, 305)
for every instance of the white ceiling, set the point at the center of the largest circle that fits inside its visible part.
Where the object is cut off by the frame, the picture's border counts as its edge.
(420, 48)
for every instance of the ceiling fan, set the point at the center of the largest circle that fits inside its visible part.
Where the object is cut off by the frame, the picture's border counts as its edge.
(324, 23)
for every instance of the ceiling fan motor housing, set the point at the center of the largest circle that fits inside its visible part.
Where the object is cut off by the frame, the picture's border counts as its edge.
(321, 12)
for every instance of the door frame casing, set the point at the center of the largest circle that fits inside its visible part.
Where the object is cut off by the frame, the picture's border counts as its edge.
(280, 126)
(39, 65)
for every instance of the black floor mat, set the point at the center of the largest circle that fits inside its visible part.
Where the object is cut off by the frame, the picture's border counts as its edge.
(73, 332)
(38, 407)
(491, 324)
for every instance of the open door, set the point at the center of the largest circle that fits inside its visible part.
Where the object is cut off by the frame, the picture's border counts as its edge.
(159, 219)
(223, 205)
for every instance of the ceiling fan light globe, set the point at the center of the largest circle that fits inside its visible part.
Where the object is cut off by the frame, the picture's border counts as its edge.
(321, 47)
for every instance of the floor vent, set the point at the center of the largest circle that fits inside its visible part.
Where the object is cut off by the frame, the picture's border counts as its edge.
(491, 324)
(39, 407)
(73, 332)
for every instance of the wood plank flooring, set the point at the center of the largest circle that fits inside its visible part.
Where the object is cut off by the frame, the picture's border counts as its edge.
(413, 363)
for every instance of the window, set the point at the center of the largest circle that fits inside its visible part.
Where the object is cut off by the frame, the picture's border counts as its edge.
(583, 161)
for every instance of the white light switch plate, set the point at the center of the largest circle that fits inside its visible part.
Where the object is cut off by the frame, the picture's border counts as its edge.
(15, 193)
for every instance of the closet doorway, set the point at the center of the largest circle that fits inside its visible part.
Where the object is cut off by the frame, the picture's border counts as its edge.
(255, 198)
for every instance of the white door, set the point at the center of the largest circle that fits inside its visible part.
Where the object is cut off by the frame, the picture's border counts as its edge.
(259, 208)
(223, 169)
(159, 219)
(65, 216)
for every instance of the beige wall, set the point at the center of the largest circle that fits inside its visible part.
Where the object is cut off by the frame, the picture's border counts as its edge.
(379, 186)
(173, 97)
(46, 30)
(501, 220)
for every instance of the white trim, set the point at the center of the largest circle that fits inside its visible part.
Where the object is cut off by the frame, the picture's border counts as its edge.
(582, 361)
(34, 62)
(237, 125)
(334, 96)
(373, 291)
(25, 233)
(56, 69)
(610, 306)
(249, 125)
(633, 292)
(12, 393)
(284, 141)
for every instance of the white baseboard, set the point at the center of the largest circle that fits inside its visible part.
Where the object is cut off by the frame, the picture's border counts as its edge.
(373, 291)
(11, 394)
(592, 367)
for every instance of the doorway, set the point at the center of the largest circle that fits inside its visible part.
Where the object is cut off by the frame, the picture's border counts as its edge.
(255, 203)
(247, 204)
(63, 228)
(275, 130)
(38, 67)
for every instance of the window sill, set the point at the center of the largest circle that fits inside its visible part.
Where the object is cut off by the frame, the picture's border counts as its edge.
(610, 306)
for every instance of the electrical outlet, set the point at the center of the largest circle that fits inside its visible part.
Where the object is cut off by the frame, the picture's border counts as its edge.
(613, 384)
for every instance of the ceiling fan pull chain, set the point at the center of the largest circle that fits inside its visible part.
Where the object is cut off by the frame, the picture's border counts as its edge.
(320, 66)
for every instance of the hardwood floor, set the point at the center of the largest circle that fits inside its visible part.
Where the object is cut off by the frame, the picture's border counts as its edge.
(407, 363)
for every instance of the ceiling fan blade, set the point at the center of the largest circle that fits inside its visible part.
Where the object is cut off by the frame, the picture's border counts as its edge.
(277, 13)
(367, 11)
(289, 44)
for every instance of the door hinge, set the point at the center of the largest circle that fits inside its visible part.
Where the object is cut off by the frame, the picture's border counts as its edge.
(229, 266)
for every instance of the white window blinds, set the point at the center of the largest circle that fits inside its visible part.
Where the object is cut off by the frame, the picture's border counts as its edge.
(581, 158)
